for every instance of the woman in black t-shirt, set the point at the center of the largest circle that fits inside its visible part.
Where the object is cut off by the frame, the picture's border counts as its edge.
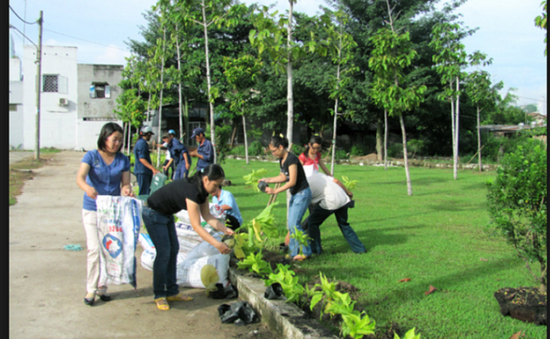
(293, 174)
(158, 216)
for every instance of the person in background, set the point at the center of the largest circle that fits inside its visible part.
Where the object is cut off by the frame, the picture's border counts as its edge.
(143, 168)
(293, 174)
(227, 202)
(178, 155)
(103, 171)
(329, 198)
(158, 215)
(311, 160)
(205, 151)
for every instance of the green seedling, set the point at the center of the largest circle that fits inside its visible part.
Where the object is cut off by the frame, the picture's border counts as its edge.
(314, 295)
(301, 238)
(409, 335)
(356, 326)
(253, 178)
(350, 184)
(256, 264)
(291, 289)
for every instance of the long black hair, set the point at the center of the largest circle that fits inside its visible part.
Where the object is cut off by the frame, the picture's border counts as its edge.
(212, 172)
(108, 129)
(315, 139)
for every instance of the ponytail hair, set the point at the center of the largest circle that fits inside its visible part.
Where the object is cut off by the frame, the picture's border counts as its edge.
(212, 172)
(278, 140)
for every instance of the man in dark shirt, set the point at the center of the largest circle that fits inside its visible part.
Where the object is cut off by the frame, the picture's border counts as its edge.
(143, 168)
(205, 151)
(179, 156)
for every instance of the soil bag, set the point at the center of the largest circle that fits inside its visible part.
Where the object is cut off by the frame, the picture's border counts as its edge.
(118, 225)
(238, 313)
(274, 291)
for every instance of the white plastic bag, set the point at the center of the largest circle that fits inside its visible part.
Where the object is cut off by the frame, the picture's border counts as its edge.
(216, 211)
(189, 271)
(118, 224)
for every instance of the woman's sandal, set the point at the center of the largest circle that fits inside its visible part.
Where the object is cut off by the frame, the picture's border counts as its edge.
(162, 304)
(300, 257)
(179, 297)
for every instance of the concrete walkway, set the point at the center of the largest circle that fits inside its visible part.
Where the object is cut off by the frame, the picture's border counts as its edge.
(47, 283)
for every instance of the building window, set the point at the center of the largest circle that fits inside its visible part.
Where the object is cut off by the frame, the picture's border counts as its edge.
(100, 90)
(13, 108)
(50, 83)
(54, 83)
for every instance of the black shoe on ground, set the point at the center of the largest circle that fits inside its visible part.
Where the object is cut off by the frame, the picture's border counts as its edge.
(89, 302)
(105, 297)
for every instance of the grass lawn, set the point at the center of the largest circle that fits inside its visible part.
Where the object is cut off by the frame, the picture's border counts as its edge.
(435, 237)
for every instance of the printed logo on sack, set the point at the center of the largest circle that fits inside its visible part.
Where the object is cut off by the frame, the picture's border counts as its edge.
(113, 245)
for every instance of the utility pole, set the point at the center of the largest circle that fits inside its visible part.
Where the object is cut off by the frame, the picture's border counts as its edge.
(38, 87)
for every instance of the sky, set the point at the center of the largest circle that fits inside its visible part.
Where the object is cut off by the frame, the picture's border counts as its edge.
(100, 29)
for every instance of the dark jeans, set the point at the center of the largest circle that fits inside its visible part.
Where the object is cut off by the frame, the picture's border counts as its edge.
(144, 183)
(181, 171)
(319, 215)
(162, 231)
(168, 169)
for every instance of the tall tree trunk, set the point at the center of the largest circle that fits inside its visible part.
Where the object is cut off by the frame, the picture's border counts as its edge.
(179, 84)
(385, 140)
(379, 145)
(479, 140)
(160, 99)
(212, 124)
(289, 95)
(129, 137)
(336, 104)
(405, 157)
(185, 115)
(233, 136)
(245, 140)
(453, 127)
(457, 130)
(334, 133)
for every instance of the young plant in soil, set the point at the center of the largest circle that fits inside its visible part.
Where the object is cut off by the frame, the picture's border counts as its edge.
(256, 264)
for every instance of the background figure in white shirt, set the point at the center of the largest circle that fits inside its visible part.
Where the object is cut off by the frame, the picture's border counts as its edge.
(329, 198)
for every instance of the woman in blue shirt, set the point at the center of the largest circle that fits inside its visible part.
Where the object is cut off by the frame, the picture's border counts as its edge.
(227, 202)
(103, 171)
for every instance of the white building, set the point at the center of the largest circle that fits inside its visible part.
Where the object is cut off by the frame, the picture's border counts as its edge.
(70, 115)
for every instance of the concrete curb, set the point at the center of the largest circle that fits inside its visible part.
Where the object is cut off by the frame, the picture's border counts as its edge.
(285, 319)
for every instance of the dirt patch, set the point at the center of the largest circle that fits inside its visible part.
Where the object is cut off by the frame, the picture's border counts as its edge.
(524, 303)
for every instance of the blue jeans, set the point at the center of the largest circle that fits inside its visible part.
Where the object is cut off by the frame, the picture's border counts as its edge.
(144, 183)
(319, 215)
(296, 210)
(162, 230)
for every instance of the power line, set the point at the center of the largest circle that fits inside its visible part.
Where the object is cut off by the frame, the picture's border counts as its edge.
(531, 99)
(28, 23)
(12, 26)
(69, 36)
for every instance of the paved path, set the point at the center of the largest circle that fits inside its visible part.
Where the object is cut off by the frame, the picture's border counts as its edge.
(47, 283)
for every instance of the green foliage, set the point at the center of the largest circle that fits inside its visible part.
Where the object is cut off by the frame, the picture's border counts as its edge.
(517, 201)
(297, 149)
(350, 184)
(341, 155)
(256, 148)
(540, 21)
(253, 178)
(395, 150)
(292, 290)
(302, 238)
(415, 146)
(223, 135)
(255, 263)
(359, 150)
(409, 335)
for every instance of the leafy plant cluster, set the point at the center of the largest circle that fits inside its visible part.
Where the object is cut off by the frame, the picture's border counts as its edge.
(518, 203)
(249, 250)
